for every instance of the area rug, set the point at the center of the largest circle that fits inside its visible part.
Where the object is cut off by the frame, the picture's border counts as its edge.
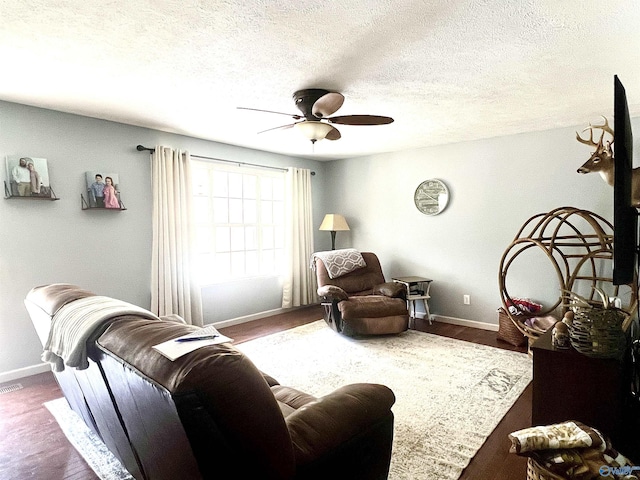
(450, 394)
(88, 444)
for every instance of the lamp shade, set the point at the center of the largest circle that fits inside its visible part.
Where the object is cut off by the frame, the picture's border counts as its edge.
(334, 222)
(314, 130)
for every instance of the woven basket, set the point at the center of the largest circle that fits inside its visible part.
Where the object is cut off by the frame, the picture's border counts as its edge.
(597, 332)
(508, 332)
(535, 471)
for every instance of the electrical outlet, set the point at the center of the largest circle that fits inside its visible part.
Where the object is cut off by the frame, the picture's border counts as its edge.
(466, 299)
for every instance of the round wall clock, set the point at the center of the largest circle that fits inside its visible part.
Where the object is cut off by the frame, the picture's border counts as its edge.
(431, 196)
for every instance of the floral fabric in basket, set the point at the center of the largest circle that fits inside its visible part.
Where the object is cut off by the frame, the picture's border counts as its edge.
(573, 450)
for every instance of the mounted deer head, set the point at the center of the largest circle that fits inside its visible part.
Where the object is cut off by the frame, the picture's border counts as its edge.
(601, 160)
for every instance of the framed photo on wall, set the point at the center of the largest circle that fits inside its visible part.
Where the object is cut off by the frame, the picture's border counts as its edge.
(103, 190)
(27, 177)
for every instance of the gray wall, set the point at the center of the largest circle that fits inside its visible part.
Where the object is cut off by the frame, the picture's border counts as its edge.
(495, 184)
(107, 252)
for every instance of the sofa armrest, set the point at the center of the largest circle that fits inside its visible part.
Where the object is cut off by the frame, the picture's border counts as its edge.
(391, 289)
(322, 426)
(332, 292)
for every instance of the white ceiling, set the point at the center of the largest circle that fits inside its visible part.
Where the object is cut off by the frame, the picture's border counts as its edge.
(445, 71)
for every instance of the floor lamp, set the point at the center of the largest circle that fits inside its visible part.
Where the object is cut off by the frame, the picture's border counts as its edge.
(333, 222)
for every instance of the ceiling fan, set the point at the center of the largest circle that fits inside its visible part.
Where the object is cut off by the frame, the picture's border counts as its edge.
(316, 104)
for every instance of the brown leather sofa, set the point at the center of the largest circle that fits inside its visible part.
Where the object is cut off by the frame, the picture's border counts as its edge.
(361, 302)
(212, 413)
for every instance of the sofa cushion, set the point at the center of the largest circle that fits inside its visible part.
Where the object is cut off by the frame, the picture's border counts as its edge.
(371, 306)
(292, 397)
(376, 325)
(289, 399)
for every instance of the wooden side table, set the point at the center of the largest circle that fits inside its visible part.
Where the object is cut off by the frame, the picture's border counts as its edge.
(417, 290)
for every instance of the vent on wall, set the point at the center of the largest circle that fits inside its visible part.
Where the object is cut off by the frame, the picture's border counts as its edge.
(10, 388)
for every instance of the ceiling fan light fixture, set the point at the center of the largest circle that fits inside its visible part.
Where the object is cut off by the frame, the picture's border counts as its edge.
(313, 130)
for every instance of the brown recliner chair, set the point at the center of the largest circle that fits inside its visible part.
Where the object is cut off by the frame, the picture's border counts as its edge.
(361, 302)
(212, 413)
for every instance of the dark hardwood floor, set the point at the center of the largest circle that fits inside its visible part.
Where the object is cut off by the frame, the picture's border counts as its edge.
(32, 446)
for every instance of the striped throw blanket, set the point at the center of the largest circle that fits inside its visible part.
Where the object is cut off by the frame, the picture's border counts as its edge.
(79, 323)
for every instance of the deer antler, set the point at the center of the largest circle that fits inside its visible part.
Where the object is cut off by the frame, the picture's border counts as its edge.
(605, 129)
(589, 142)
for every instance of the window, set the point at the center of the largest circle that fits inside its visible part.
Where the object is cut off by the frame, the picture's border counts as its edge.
(239, 221)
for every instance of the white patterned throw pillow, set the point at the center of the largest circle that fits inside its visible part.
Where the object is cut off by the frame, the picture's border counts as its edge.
(340, 262)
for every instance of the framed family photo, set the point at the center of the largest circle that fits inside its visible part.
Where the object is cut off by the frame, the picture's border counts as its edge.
(103, 190)
(27, 177)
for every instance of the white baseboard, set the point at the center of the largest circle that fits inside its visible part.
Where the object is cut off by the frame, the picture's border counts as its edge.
(255, 316)
(24, 372)
(466, 323)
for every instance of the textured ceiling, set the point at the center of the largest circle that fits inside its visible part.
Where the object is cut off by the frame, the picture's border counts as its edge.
(445, 71)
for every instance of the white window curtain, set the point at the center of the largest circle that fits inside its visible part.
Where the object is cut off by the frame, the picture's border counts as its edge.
(299, 281)
(173, 287)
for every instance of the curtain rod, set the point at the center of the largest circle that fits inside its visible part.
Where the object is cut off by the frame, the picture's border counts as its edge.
(142, 148)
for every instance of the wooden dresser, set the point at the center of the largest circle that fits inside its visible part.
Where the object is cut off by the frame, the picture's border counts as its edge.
(568, 385)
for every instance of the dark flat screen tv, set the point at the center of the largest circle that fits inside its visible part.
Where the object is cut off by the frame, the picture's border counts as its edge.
(625, 217)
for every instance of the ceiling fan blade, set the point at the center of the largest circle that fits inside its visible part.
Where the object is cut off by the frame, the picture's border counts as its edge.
(292, 115)
(361, 120)
(281, 127)
(327, 104)
(333, 134)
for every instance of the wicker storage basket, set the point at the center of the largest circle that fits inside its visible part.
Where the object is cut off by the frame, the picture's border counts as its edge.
(535, 471)
(508, 332)
(597, 332)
